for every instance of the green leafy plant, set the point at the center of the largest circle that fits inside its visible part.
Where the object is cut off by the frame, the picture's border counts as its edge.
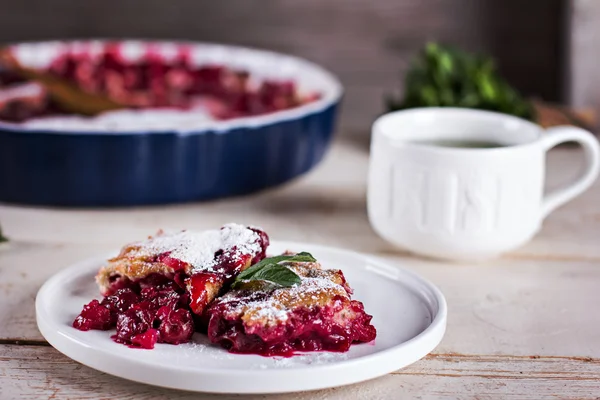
(271, 271)
(443, 76)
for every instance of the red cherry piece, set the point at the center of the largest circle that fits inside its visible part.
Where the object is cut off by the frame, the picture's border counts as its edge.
(136, 320)
(175, 326)
(93, 316)
(145, 340)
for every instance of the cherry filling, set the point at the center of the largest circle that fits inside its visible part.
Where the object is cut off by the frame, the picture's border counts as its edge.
(200, 289)
(154, 82)
(152, 310)
(160, 308)
(333, 327)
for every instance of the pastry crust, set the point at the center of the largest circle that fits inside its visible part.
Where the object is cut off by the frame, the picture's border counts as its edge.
(132, 264)
(207, 261)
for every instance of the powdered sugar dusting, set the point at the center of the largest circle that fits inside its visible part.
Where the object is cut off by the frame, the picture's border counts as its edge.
(301, 359)
(318, 358)
(270, 311)
(198, 248)
(313, 290)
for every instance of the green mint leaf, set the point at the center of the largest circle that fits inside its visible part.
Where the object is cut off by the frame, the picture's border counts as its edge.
(270, 270)
(300, 257)
(250, 271)
(279, 274)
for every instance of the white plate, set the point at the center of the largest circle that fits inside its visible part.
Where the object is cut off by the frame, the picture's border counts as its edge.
(408, 312)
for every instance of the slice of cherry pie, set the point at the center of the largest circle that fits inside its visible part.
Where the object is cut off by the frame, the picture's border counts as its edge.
(167, 287)
(154, 288)
(315, 314)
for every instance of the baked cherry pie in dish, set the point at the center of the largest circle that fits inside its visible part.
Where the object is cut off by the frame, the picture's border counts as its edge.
(146, 78)
(157, 122)
(220, 282)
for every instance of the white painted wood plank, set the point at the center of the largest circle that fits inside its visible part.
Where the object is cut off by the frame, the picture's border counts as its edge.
(326, 206)
(514, 307)
(34, 372)
(536, 302)
(23, 269)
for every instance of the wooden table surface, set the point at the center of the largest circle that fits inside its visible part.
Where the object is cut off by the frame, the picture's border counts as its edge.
(525, 326)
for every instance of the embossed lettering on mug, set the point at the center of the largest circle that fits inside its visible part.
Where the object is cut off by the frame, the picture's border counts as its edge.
(444, 201)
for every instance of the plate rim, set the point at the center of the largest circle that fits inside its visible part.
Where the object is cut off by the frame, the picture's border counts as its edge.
(421, 344)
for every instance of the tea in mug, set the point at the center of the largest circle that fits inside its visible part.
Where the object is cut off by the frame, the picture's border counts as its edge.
(465, 144)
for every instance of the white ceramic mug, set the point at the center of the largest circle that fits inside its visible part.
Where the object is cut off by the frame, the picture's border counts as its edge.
(465, 203)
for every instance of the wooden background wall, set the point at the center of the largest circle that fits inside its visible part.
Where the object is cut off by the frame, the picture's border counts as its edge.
(366, 42)
(582, 77)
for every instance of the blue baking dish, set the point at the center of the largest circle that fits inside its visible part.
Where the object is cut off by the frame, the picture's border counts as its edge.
(124, 168)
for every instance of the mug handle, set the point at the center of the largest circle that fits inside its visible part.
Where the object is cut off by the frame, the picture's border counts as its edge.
(560, 134)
